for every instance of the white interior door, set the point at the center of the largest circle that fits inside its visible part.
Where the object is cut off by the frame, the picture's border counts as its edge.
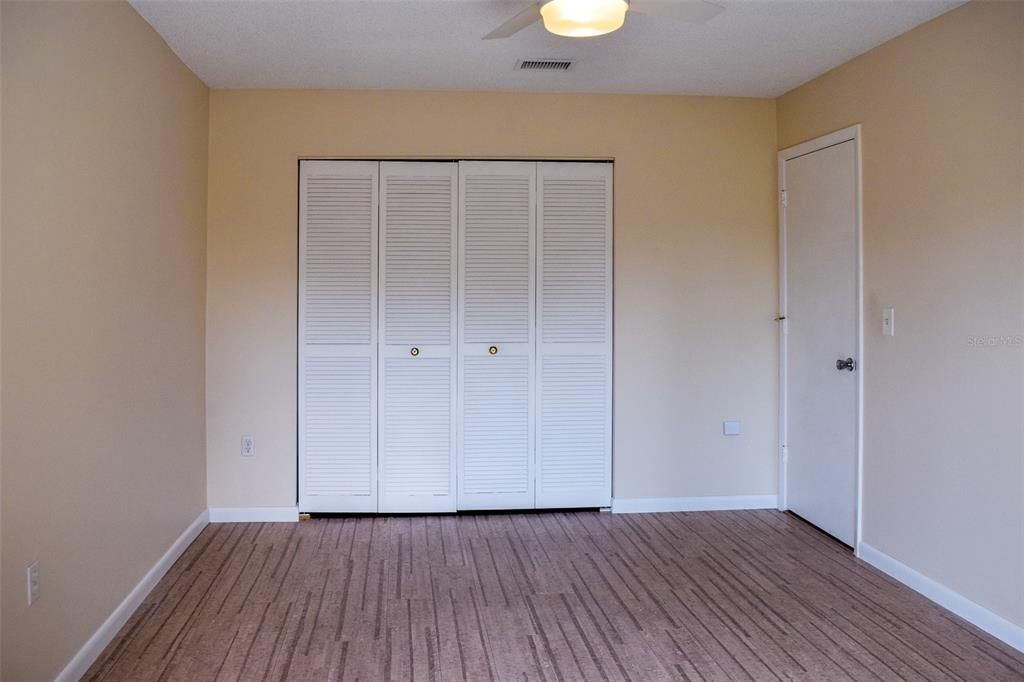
(338, 336)
(418, 231)
(574, 327)
(497, 221)
(821, 307)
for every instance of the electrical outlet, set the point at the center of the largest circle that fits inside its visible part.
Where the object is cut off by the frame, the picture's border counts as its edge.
(248, 446)
(32, 579)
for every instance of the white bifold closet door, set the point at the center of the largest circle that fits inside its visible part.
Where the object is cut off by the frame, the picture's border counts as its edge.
(574, 349)
(337, 373)
(418, 326)
(497, 227)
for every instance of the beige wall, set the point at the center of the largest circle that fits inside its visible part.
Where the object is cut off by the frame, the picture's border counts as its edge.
(103, 306)
(942, 109)
(1, 354)
(695, 267)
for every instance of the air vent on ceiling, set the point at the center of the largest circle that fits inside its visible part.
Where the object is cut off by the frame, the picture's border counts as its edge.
(544, 64)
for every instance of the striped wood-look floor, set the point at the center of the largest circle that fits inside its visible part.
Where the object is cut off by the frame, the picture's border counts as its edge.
(755, 595)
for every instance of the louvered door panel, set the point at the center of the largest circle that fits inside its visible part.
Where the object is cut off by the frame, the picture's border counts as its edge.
(338, 336)
(575, 335)
(416, 431)
(497, 465)
(418, 273)
(338, 423)
(497, 224)
(418, 330)
(574, 426)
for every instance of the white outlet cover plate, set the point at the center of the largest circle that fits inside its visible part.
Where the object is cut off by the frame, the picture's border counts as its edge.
(730, 428)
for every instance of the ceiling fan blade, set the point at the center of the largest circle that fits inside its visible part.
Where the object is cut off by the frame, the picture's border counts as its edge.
(689, 11)
(516, 23)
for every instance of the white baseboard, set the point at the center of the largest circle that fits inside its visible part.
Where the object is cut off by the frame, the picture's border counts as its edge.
(88, 654)
(994, 624)
(252, 514)
(681, 504)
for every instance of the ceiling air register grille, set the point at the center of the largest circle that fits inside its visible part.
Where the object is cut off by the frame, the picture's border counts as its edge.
(544, 64)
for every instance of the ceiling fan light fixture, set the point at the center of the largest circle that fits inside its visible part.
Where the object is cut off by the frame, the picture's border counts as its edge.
(583, 18)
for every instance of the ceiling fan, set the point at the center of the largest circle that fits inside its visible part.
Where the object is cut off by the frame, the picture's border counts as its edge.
(588, 18)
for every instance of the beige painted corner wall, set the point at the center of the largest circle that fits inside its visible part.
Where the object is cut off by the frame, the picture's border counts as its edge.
(103, 316)
(942, 109)
(695, 267)
(1, 354)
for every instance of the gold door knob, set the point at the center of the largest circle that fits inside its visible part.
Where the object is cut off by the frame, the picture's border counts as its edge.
(414, 351)
(493, 350)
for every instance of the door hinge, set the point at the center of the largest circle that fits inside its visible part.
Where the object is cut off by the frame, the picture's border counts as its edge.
(785, 454)
(782, 198)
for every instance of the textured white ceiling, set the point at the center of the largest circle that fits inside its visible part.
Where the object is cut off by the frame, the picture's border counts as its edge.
(756, 48)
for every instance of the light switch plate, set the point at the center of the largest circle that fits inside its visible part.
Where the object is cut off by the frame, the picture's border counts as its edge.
(888, 322)
(32, 580)
(730, 428)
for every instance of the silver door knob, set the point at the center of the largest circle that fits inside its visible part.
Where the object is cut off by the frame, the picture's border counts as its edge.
(846, 364)
(414, 351)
